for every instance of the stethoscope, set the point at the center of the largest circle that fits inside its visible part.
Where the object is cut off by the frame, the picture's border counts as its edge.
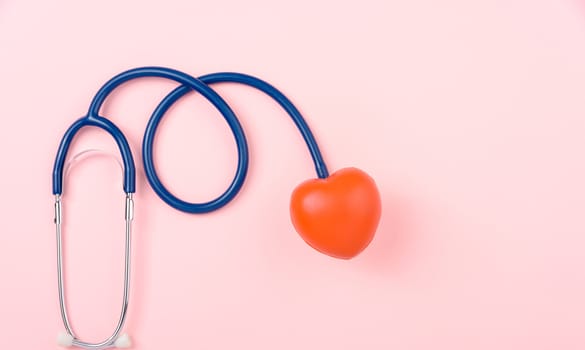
(316, 204)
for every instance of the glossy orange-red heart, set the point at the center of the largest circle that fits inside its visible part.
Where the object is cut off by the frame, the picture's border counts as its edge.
(337, 215)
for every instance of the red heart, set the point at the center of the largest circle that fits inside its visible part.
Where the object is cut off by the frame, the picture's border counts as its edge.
(338, 215)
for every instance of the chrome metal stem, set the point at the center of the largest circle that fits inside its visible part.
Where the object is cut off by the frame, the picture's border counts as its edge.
(109, 342)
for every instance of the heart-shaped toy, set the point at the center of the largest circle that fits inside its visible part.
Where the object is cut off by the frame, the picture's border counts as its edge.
(338, 215)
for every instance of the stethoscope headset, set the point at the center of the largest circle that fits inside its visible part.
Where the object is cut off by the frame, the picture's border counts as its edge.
(336, 214)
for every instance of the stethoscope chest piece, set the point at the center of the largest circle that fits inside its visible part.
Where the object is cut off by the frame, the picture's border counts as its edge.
(338, 215)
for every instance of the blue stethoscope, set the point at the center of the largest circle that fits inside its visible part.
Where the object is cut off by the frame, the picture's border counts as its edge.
(94, 119)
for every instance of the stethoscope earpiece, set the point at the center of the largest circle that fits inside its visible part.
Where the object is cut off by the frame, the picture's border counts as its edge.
(123, 341)
(64, 339)
(336, 214)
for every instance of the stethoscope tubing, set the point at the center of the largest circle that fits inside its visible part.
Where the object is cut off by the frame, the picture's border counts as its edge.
(188, 84)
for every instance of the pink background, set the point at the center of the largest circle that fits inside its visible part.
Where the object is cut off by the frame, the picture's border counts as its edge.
(469, 114)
